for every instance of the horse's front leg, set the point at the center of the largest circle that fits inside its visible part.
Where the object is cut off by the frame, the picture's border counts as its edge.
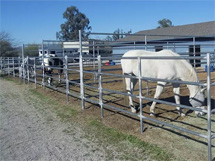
(159, 89)
(50, 80)
(130, 84)
(176, 91)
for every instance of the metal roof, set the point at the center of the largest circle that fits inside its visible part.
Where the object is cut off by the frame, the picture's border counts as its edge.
(204, 29)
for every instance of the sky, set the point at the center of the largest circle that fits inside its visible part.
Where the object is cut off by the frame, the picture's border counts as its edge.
(31, 21)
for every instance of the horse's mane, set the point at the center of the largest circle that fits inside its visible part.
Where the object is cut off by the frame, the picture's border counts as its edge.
(191, 73)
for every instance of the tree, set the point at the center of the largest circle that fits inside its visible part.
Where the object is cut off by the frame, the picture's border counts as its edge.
(6, 47)
(117, 34)
(31, 50)
(75, 21)
(164, 23)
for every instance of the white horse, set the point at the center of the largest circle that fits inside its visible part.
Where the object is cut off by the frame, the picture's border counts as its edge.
(49, 61)
(164, 69)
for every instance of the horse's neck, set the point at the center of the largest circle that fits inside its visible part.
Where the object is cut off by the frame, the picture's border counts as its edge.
(190, 75)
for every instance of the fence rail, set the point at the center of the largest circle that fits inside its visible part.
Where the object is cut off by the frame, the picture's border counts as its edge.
(36, 73)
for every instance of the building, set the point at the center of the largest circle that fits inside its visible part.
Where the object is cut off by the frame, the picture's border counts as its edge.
(63, 48)
(192, 39)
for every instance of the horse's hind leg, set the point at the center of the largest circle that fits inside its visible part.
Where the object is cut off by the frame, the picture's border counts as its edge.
(130, 84)
(59, 78)
(159, 89)
(176, 91)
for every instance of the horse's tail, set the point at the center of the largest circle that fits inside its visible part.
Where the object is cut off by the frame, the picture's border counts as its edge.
(124, 90)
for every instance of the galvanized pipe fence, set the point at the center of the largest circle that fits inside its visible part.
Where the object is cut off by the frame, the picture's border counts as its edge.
(12, 66)
(36, 73)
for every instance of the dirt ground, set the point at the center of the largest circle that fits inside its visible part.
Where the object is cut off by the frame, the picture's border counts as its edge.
(183, 145)
(187, 146)
(29, 130)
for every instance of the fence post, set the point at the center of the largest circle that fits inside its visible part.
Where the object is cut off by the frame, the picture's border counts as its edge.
(147, 88)
(174, 49)
(194, 52)
(67, 78)
(13, 68)
(209, 105)
(20, 70)
(140, 95)
(81, 71)
(145, 42)
(43, 68)
(8, 66)
(35, 74)
(23, 64)
(100, 85)
(1, 64)
(28, 70)
(94, 63)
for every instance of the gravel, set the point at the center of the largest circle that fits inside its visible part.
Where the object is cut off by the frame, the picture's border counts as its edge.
(29, 134)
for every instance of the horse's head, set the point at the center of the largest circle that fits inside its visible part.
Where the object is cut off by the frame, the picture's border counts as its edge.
(198, 101)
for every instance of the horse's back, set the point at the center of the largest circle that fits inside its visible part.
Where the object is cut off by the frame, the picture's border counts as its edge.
(137, 53)
(156, 68)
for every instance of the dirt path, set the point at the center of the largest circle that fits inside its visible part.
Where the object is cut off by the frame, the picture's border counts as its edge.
(32, 128)
(27, 134)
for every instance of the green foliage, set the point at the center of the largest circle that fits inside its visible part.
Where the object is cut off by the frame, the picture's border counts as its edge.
(117, 34)
(113, 136)
(164, 23)
(6, 48)
(31, 50)
(75, 21)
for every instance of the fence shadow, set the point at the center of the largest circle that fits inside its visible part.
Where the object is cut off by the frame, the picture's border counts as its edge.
(159, 126)
(184, 100)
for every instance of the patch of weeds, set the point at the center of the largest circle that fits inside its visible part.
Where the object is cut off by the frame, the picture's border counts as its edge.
(127, 147)
(37, 94)
(12, 79)
(65, 112)
(3, 75)
(9, 79)
(113, 136)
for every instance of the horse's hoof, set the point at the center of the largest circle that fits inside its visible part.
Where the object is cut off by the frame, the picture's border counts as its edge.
(133, 110)
(200, 114)
(152, 114)
(182, 114)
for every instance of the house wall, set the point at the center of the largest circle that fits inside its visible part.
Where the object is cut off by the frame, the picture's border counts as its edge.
(181, 48)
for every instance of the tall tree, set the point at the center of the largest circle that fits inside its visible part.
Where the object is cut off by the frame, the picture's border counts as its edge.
(164, 23)
(75, 21)
(6, 47)
(31, 50)
(117, 34)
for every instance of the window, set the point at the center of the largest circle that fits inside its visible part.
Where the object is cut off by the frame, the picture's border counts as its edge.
(52, 52)
(158, 48)
(197, 53)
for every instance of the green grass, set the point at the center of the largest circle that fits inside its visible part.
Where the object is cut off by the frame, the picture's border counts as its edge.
(116, 137)
(3, 74)
(62, 110)
(124, 146)
(106, 135)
